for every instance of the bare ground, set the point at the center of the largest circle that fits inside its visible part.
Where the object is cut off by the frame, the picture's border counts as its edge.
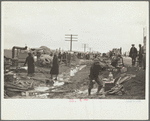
(134, 88)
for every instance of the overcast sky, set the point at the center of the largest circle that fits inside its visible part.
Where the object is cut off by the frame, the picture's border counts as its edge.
(101, 25)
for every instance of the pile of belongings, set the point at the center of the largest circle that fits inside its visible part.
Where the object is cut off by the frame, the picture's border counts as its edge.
(14, 85)
(117, 61)
(7, 63)
(118, 88)
(46, 50)
(105, 63)
(17, 87)
(45, 60)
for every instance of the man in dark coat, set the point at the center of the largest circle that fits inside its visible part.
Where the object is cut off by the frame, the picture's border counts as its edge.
(59, 56)
(68, 59)
(133, 54)
(55, 67)
(94, 72)
(114, 60)
(144, 56)
(140, 55)
(30, 62)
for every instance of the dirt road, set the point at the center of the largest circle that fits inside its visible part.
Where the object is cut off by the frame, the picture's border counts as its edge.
(78, 85)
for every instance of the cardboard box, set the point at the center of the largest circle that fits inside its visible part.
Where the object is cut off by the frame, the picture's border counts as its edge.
(109, 85)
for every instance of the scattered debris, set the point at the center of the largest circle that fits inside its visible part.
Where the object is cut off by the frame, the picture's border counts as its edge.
(45, 60)
(43, 95)
(58, 83)
(115, 89)
(118, 88)
(41, 88)
(123, 69)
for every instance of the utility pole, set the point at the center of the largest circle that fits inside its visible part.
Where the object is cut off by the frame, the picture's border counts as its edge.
(71, 37)
(121, 50)
(84, 46)
(90, 49)
(144, 36)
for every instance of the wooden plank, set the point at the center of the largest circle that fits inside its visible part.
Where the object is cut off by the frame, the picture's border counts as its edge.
(60, 91)
(72, 37)
(15, 90)
(39, 79)
(68, 37)
(65, 81)
(70, 40)
(15, 87)
(68, 34)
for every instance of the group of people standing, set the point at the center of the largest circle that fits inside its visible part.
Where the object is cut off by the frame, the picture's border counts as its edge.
(63, 56)
(140, 54)
(31, 65)
(94, 70)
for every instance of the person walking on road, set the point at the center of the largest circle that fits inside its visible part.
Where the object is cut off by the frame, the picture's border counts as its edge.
(140, 55)
(69, 59)
(59, 56)
(94, 72)
(144, 56)
(55, 67)
(133, 54)
(30, 62)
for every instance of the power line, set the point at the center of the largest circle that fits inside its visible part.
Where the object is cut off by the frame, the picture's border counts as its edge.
(70, 36)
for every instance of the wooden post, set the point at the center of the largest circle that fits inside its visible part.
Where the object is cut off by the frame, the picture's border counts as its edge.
(71, 39)
(71, 43)
(84, 47)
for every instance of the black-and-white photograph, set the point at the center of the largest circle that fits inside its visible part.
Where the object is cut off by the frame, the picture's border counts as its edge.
(75, 50)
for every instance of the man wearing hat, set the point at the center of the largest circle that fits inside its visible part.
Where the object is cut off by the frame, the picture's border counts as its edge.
(140, 55)
(30, 62)
(94, 72)
(55, 67)
(68, 58)
(133, 54)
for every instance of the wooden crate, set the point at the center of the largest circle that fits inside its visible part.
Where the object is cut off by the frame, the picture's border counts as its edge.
(109, 85)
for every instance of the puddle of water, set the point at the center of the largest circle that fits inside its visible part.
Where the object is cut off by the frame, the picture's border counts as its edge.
(25, 68)
(58, 83)
(81, 67)
(93, 91)
(41, 88)
(72, 73)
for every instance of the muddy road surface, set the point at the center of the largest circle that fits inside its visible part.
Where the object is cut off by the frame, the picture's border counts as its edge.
(76, 87)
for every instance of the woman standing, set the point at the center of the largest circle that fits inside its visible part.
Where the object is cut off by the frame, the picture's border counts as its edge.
(55, 67)
(30, 62)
